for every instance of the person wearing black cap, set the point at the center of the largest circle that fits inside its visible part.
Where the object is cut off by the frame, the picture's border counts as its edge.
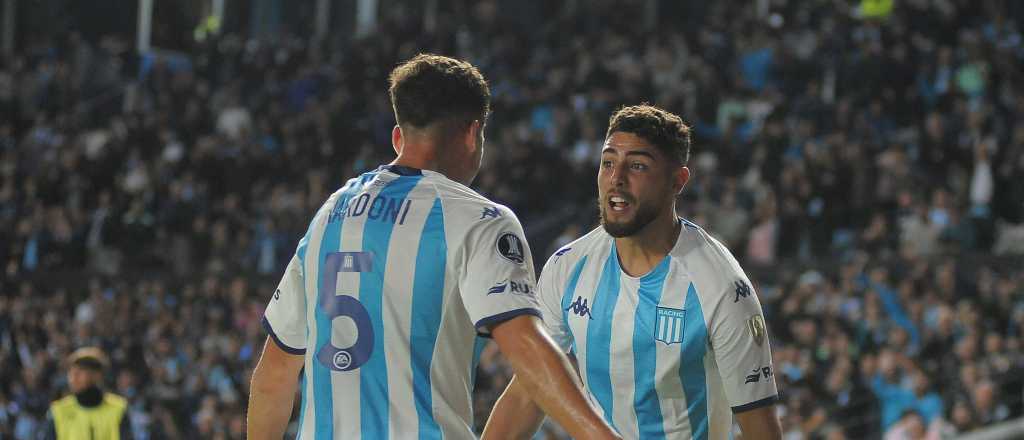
(88, 412)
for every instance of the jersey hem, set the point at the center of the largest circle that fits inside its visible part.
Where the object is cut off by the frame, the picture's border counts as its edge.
(502, 317)
(755, 405)
(277, 340)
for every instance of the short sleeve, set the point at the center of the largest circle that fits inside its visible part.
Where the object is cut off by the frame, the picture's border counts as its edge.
(549, 293)
(739, 339)
(497, 282)
(285, 318)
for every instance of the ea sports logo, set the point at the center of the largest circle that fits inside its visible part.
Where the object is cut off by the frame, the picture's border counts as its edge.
(342, 360)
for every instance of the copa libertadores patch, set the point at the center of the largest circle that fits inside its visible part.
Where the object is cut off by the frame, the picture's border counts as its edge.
(510, 247)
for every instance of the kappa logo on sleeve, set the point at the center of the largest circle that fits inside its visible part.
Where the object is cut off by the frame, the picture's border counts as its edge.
(510, 247)
(742, 290)
(491, 212)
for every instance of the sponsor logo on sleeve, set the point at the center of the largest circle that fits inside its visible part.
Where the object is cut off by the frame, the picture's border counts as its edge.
(758, 330)
(277, 294)
(513, 287)
(758, 373)
(510, 247)
(521, 288)
(498, 288)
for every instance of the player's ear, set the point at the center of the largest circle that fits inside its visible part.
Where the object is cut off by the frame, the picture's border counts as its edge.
(474, 131)
(396, 139)
(679, 178)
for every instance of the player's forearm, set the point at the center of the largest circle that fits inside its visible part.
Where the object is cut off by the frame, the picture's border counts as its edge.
(547, 377)
(270, 405)
(515, 415)
(272, 392)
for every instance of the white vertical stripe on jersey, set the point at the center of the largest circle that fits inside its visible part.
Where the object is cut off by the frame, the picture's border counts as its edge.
(450, 353)
(345, 385)
(669, 386)
(311, 271)
(621, 362)
(719, 413)
(396, 313)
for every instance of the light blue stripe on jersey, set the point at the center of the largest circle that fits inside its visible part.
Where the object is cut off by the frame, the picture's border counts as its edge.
(691, 367)
(373, 377)
(427, 290)
(323, 400)
(645, 353)
(599, 336)
(570, 292)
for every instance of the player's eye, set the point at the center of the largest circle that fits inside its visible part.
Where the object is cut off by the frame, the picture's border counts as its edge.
(606, 164)
(639, 166)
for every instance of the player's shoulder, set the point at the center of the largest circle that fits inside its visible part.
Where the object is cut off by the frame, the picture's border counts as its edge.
(595, 242)
(331, 208)
(468, 208)
(710, 262)
(697, 245)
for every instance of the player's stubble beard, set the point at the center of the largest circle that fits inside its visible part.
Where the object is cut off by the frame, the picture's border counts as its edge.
(646, 212)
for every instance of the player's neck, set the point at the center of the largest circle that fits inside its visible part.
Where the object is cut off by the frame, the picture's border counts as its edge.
(421, 156)
(425, 156)
(641, 252)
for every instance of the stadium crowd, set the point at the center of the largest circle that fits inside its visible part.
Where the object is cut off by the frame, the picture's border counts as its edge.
(863, 164)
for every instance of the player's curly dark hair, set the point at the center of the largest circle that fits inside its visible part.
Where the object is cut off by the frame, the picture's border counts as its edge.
(433, 88)
(662, 129)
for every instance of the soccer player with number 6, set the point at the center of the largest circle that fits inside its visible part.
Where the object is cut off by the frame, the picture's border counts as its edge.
(397, 275)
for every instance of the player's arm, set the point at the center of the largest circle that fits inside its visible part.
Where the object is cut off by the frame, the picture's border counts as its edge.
(498, 289)
(274, 381)
(272, 392)
(515, 415)
(739, 339)
(760, 424)
(543, 374)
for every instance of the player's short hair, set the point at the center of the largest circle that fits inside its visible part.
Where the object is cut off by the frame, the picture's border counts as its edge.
(432, 88)
(664, 130)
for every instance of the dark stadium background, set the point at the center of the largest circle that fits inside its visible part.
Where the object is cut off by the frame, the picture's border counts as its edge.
(863, 162)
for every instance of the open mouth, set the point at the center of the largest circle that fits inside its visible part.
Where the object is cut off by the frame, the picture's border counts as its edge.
(618, 203)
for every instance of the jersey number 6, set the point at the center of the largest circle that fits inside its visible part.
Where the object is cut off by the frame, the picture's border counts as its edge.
(334, 306)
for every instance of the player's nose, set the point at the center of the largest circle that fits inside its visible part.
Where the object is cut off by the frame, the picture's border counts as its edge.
(618, 175)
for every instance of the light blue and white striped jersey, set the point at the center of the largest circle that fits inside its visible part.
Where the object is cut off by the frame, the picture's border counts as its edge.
(667, 354)
(398, 272)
